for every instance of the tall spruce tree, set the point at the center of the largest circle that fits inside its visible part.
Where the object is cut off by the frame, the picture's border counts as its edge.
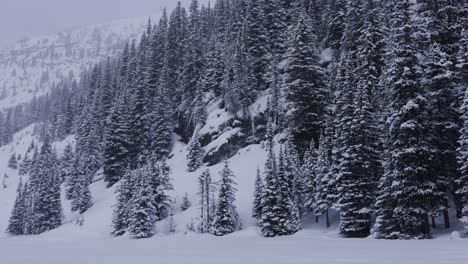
(306, 85)
(226, 218)
(16, 224)
(205, 190)
(195, 154)
(258, 196)
(411, 151)
(143, 213)
(117, 142)
(121, 212)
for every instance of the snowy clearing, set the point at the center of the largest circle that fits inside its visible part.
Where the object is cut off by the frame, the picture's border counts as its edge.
(243, 247)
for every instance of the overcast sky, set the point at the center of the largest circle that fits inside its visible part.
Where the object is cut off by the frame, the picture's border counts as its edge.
(22, 18)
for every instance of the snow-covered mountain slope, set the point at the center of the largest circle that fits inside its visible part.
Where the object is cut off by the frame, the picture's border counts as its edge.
(92, 242)
(10, 177)
(33, 65)
(97, 221)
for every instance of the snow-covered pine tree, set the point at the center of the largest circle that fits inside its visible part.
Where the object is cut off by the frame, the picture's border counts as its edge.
(226, 218)
(117, 142)
(143, 213)
(357, 161)
(29, 210)
(81, 197)
(206, 190)
(411, 151)
(47, 204)
(193, 60)
(255, 44)
(66, 163)
(258, 196)
(199, 108)
(463, 160)
(12, 162)
(215, 67)
(139, 112)
(185, 203)
(306, 85)
(161, 185)
(295, 176)
(24, 166)
(275, 24)
(289, 216)
(336, 12)
(16, 224)
(325, 188)
(444, 119)
(121, 212)
(269, 220)
(385, 226)
(161, 124)
(195, 154)
(309, 170)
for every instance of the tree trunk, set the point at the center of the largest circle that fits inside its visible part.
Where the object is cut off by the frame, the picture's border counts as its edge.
(328, 218)
(446, 218)
(425, 224)
(316, 219)
(433, 221)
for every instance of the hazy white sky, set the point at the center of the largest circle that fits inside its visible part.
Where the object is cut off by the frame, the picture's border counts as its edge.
(22, 18)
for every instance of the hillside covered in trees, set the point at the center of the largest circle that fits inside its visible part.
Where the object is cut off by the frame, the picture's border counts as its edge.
(361, 107)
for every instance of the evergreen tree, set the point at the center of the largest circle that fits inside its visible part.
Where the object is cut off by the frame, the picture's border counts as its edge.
(195, 154)
(325, 187)
(357, 162)
(385, 226)
(143, 213)
(258, 195)
(12, 162)
(306, 86)
(121, 212)
(226, 219)
(185, 203)
(139, 113)
(269, 221)
(117, 142)
(255, 44)
(411, 151)
(161, 126)
(81, 198)
(47, 205)
(444, 121)
(16, 224)
(161, 184)
(336, 12)
(275, 16)
(310, 171)
(289, 216)
(463, 161)
(66, 163)
(206, 191)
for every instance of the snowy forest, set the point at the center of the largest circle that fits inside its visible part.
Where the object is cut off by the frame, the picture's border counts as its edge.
(366, 115)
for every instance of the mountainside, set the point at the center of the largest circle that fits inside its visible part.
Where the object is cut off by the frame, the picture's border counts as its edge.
(32, 66)
(250, 120)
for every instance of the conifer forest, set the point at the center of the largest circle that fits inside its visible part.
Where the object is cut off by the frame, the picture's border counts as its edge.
(278, 121)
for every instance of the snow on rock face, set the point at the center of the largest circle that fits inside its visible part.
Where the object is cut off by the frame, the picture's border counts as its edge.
(224, 134)
(33, 66)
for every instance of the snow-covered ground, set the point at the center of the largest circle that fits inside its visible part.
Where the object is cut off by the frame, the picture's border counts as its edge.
(243, 247)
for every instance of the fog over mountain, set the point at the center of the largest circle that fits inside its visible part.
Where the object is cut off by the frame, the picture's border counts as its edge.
(29, 18)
